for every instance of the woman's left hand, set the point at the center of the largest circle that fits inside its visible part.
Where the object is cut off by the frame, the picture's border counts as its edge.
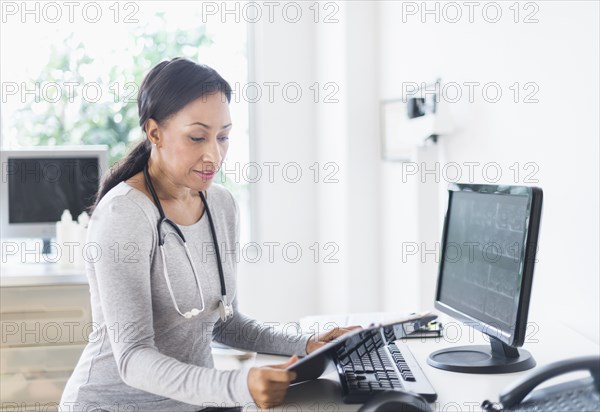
(316, 341)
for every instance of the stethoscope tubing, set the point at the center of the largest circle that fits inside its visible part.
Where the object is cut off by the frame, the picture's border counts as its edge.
(164, 219)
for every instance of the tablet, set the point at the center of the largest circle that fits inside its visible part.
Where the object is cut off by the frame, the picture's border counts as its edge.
(320, 361)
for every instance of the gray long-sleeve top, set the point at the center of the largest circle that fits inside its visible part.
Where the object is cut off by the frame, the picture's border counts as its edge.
(142, 355)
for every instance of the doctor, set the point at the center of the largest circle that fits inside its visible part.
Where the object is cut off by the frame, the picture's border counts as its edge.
(163, 283)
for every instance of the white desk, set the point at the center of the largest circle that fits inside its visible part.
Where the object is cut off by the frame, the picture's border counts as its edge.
(35, 292)
(456, 391)
(39, 274)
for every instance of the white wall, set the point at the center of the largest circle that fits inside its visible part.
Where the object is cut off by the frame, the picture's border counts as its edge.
(559, 134)
(346, 135)
(369, 53)
(285, 213)
(340, 210)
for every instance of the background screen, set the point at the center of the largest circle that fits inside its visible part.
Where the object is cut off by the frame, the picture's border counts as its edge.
(39, 189)
(483, 256)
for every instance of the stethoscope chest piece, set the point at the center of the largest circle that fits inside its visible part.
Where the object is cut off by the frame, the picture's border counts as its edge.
(225, 309)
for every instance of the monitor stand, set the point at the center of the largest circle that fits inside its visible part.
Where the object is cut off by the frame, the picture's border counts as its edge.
(47, 247)
(496, 358)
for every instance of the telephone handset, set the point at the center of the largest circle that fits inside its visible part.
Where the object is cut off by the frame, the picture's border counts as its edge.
(580, 393)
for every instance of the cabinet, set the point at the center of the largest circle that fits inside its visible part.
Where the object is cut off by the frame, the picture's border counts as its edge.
(45, 318)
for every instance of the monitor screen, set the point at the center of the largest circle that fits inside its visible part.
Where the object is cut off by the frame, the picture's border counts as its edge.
(484, 242)
(38, 183)
(40, 189)
(485, 274)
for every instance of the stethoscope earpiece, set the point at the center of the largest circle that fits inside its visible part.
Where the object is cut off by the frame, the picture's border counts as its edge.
(192, 313)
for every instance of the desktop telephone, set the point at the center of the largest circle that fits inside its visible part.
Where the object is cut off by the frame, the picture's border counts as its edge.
(577, 395)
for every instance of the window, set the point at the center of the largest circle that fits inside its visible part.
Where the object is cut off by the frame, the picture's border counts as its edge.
(71, 71)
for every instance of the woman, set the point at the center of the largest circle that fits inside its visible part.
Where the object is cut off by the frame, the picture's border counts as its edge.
(157, 308)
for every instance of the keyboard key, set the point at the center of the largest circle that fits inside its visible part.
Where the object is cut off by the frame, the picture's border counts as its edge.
(364, 385)
(396, 385)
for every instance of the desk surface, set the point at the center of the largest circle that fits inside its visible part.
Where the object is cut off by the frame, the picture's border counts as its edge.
(39, 274)
(548, 342)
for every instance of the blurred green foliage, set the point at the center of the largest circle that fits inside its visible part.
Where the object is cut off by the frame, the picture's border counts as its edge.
(70, 115)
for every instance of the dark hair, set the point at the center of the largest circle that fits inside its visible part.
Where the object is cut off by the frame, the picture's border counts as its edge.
(165, 90)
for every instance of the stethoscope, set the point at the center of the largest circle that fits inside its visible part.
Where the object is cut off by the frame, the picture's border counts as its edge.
(225, 308)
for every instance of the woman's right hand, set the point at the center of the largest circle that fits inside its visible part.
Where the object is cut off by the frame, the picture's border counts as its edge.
(269, 384)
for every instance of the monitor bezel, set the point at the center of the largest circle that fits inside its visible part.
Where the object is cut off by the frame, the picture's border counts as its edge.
(40, 230)
(516, 336)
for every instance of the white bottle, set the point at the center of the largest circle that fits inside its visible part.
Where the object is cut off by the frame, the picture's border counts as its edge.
(65, 229)
(81, 232)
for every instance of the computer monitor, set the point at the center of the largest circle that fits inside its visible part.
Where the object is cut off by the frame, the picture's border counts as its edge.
(488, 254)
(39, 183)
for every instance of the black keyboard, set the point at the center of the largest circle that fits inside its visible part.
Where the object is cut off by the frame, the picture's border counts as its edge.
(375, 363)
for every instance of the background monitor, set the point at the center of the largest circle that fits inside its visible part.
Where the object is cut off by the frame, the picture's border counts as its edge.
(39, 183)
(488, 251)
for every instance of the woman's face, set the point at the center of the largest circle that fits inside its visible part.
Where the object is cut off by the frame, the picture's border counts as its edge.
(193, 143)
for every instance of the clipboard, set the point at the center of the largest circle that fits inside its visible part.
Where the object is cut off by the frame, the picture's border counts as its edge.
(321, 361)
